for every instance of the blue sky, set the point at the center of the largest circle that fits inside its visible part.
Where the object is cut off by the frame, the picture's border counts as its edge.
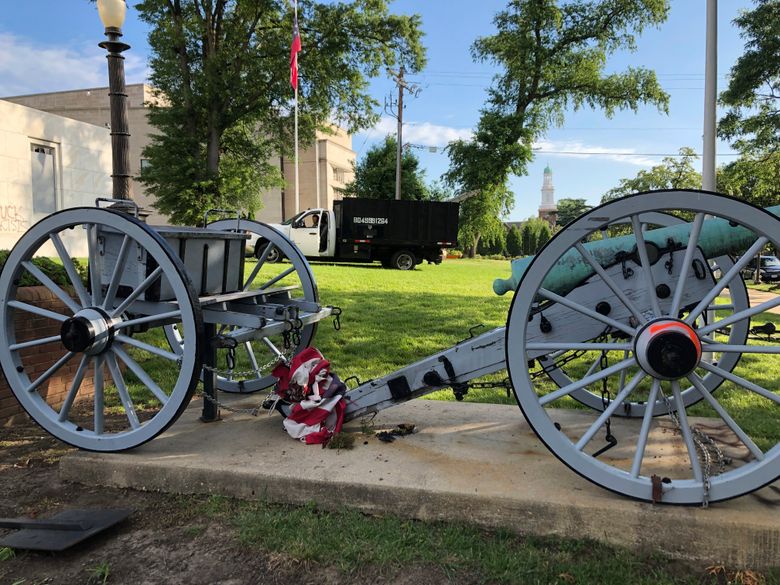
(51, 45)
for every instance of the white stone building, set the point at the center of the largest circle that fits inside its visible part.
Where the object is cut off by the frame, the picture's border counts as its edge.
(47, 163)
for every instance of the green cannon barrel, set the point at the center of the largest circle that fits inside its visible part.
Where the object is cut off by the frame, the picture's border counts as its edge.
(718, 237)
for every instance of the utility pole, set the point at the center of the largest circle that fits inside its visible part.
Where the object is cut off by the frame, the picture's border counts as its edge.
(399, 115)
(710, 96)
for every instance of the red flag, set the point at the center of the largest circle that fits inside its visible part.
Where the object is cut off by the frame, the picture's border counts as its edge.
(294, 50)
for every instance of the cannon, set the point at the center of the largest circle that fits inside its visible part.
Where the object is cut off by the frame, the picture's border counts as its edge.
(637, 310)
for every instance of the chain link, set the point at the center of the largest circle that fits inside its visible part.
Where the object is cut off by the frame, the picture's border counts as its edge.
(557, 365)
(232, 374)
(253, 411)
(506, 384)
(706, 447)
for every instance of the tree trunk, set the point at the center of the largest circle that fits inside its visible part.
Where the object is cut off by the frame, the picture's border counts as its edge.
(473, 248)
(212, 153)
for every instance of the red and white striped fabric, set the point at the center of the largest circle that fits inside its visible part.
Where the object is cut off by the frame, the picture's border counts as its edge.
(318, 409)
(315, 423)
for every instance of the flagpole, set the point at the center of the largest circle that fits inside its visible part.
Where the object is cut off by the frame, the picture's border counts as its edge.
(297, 195)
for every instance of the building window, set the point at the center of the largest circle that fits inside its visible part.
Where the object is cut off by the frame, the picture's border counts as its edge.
(339, 175)
(145, 164)
(44, 184)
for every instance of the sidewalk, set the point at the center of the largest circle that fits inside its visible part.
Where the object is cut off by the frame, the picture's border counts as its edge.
(475, 463)
(758, 296)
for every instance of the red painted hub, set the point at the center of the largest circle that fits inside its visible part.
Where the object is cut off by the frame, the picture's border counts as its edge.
(668, 349)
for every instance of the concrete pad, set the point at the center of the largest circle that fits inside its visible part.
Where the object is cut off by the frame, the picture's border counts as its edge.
(477, 463)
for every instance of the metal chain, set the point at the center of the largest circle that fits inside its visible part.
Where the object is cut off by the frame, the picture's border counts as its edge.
(568, 357)
(505, 384)
(558, 364)
(231, 373)
(706, 447)
(606, 399)
(253, 411)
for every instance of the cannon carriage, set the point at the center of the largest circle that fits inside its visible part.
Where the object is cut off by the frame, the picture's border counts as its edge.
(637, 309)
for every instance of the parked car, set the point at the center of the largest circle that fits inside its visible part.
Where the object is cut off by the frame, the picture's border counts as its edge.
(769, 269)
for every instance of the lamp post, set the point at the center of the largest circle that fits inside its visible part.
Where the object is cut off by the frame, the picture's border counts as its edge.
(112, 13)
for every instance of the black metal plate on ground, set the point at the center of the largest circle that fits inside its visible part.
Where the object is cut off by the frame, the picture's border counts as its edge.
(77, 525)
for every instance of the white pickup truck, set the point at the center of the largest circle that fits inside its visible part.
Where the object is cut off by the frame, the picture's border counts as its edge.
(399, 234)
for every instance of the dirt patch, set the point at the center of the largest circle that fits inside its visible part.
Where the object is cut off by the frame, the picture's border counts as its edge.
(166, 540)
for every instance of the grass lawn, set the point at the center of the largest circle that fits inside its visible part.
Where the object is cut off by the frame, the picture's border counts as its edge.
(394, 318)
(773, 287)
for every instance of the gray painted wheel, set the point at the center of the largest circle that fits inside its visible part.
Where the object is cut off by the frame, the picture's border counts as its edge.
(690, 396)
(108, 327)
(255, 359)
(665, 446)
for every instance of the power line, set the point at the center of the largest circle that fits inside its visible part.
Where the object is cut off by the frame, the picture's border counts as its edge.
(484, 74)
(594, 152)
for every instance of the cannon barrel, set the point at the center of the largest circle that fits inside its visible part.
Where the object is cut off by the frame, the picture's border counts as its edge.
(718, 237)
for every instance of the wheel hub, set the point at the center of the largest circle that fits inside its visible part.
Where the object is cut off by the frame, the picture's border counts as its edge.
(88, 331)
(668, 349)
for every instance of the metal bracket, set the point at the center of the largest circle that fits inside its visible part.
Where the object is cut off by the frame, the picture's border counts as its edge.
(127, 203)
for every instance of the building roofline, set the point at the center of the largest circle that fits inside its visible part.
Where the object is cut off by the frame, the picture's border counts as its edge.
(78, 89)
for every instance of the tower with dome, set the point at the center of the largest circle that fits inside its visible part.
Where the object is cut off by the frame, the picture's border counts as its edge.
(548, 210)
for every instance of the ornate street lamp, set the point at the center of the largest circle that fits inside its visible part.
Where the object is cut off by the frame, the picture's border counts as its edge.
(112, 13)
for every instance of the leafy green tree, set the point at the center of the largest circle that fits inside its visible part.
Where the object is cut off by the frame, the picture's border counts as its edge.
(754, 179)
(440, 191)
(375, 174)
(753, 94)
(480, 216)
(542, 233)
(494, 245)
(571, 209)
(514, 242)
(527, 238)
(222, 71)
(534, 234)
(673, 173)
(552, 57)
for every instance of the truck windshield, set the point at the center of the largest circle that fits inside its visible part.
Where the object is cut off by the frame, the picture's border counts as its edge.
(293, 218)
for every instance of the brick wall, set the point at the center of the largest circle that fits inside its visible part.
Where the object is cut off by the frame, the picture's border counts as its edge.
(38, 359)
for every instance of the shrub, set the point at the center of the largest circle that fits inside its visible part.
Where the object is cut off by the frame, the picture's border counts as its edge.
(49, 267)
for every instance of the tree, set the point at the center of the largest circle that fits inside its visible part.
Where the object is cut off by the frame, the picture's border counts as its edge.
(754, 179)
(571, 209)
(551, 58)
(222, 71)
(494, 245)
(375, 174)
(514, 242)
(479, 216)
(542, 232)
(753, 94)
(534, 234)
(672, 173)
(528, 239)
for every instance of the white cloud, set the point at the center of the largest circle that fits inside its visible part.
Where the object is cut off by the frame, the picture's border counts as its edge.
(422, 133)
(575, 149)
(28, 67)
(427, 134)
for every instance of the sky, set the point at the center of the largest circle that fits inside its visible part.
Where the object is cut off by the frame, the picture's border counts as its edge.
(51, 45)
